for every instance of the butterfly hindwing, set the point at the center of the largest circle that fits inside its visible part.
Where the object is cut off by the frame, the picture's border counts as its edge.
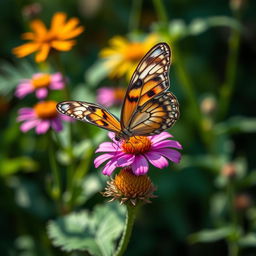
(90, 113)
(156, 115)
(148, 81)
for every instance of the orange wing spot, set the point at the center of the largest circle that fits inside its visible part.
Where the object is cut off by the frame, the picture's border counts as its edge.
(150, 94)
(148, 86)
(108, 122)
(134, 92)
(99, 112)
(101, 123)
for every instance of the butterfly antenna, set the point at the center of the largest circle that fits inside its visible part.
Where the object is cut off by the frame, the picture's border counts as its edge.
(116, 145)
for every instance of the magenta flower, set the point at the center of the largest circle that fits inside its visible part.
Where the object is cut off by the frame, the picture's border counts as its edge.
(42, 117)
(137, 152)
(40, 83)
(108, 96)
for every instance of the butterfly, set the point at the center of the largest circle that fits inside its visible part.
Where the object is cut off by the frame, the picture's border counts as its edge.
(148, 108)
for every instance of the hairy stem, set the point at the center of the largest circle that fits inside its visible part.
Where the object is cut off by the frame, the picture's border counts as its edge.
(130, 218)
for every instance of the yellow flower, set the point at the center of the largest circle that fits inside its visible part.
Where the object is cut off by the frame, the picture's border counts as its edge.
(56, 38)
(122, 57)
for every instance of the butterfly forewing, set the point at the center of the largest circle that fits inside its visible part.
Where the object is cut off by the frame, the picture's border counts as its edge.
(148, 81)
(147, 109)
(155, 116)
(91, 113)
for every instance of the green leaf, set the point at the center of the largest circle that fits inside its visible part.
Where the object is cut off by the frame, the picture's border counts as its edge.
(248, 240)
(96, 73)
(218, 205)
(198, 26)
(95, 232)
(14, 165)
(91, 185)
(82, 92)
(210, 235)
(30, 197)
(210, 162)
(236, 125)
(11, 75)
(177, 29)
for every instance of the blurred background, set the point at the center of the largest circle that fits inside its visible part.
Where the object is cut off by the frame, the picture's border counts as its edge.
(205, 204)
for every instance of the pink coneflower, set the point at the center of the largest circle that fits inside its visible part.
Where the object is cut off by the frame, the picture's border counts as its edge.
(108, 96)
(137, 152)
(42, 117)
(40, 83)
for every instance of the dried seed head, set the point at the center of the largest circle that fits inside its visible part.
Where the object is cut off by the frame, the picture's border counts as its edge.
(128, 187)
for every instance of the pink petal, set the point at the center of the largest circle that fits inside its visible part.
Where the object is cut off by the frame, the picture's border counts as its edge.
(57, 77)
(25, 117)
(23, 89)
(161, 136)
(156, 159)
(102, 158)
(56, 124)
(43, 127)
(166, 144)
(28, 125)
(25, 111)
(171, 154)
(37, 75)
(106, 96)
(125, 160)
(56, 85)
(66, 118)
(108, 147)
(109, 167)
(111, 135)
(140, 165)
(41, 93)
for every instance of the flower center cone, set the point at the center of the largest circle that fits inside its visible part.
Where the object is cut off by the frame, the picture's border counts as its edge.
(46, 109)
(136, 145)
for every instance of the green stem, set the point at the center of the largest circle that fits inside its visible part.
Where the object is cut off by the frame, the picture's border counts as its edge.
(69, 149)
(233, 247)
(130, 218)
(231, 71)
(56, 191)
(189, 91)
(188, 87)
(58, 65)
(134, 20)
(160, 9)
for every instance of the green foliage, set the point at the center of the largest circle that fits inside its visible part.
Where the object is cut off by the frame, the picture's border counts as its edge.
(51, 178)
(12, 74)
(95, 232)
(214, 235)
(13, 165)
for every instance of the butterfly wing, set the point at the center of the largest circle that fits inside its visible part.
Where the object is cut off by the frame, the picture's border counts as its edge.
(148, 81)
(90, 113)
(155, 116)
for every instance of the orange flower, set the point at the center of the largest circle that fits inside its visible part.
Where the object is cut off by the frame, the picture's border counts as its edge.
(43, 40)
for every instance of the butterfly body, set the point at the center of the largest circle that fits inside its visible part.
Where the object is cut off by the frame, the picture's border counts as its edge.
(148, 107)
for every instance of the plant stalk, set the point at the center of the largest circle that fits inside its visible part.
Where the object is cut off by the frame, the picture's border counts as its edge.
(130, 218)
(228, 86)
(134, 19)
